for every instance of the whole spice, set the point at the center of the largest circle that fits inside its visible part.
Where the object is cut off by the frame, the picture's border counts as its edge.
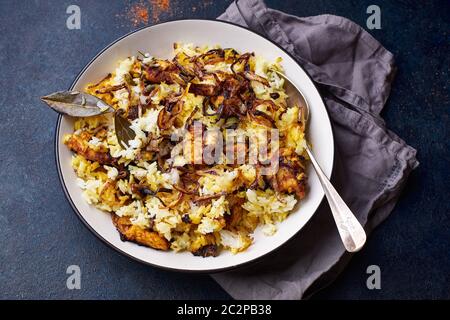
(76, 104)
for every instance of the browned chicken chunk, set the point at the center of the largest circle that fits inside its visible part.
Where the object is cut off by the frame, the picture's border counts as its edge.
(287, 182)
(129, 232)
(76, 144)
(210, 250)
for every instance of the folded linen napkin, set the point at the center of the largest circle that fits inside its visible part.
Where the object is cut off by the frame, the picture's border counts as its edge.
(354, 74)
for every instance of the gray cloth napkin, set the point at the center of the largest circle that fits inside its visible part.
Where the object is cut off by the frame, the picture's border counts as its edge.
(354, 75)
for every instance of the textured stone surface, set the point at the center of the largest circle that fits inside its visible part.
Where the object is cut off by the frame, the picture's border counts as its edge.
(40, 235)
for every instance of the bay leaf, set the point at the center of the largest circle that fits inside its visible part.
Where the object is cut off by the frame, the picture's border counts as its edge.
(76, 104)
(123, 131)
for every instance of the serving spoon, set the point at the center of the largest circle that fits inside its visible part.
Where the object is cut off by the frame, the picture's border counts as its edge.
(352, 233)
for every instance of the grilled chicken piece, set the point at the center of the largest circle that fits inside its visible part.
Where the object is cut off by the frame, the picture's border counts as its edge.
(290, 177)
(286, 181)
(210, 250)
(129, 232)
(78, 145)
(108, 194)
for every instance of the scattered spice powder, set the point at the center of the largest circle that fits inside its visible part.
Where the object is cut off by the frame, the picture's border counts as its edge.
(137, 14)
(140, 12)
(159, 7)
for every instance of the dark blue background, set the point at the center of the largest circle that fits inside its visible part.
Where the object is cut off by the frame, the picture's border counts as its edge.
(40, 235)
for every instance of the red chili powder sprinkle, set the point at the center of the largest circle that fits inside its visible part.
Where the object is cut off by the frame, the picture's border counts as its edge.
(158, 7)
(138, 14)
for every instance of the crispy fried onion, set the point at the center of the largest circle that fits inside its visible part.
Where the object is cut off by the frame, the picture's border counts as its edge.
(212, 56)
(203, 89)
(225, 95)
(241, 64)
(163, 71)
(144, 190)
(111, 88)
(108, 76)
(262, 118)
(254, 77)
(208, 197)
(207, 104)
(167, 115)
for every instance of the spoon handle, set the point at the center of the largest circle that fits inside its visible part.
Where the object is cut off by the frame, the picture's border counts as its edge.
(352, 233)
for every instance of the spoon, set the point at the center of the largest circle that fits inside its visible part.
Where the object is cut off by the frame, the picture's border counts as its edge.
(352, 233)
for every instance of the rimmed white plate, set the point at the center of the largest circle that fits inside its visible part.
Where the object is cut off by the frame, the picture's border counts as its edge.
(158, 40)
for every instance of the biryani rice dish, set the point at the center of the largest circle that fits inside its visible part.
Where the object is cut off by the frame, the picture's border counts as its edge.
(157, 189)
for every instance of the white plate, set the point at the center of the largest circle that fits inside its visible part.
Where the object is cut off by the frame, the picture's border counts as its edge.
(158, 40)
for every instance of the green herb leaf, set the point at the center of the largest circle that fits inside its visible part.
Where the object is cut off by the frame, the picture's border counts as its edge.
(123, 131)
(76, 104)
